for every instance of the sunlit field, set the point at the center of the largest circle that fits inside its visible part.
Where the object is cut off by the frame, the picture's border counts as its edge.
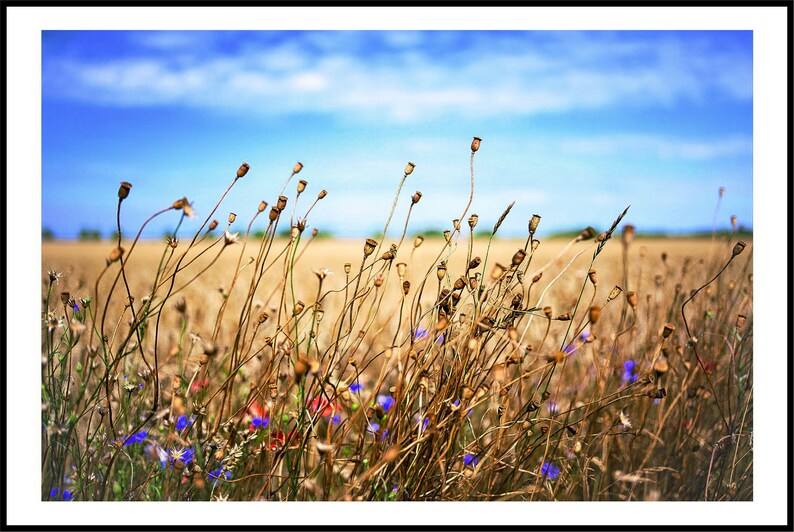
(604, 366)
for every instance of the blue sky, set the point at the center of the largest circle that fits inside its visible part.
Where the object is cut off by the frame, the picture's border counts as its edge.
(575, 126)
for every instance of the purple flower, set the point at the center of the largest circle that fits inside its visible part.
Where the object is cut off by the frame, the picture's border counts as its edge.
(138, 437)
(629, 371)
(217, 475)
(336, 419)
(553, 407)
(65, 496)
(386, 401)
(420, 334)
(424, 423)
(470, 460)
(260, 422)
(356, 387)
(550, 470)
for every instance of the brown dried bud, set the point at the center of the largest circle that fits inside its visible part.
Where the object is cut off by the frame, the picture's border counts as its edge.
(595, 313)
(347, 268)
(497, 271)
(667, 330)
(475, 144)
(274, 212)
(65, 296)
(593, 277)
(378, 282)
(213, 225)
(460, 283)
(124, 190)
(297, 168)
(409, 168)
(518, 257)
(116, 254)
(631, 297)
(474, 263)
(473, 219)
(537, 277)
(401, 268)
(232, 217)
(545, 395)
(416, 197)
(406, 287)
(534, 245)
(533, 224)
(263, 317)
(565, 316)
(299, 306)
(281, 203)
(302, 186)
(441, 270)
(547, 311)
(614, 293)
(262, 206)
(740, 319)
(628, 234)
(301, 367)
(738, 248)
(418, 241)
(369, 247)
(323, 193)
(243, 170)
(447, 235)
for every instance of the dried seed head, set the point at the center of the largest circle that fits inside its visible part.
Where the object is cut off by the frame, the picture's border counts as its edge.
(473, 219)
(302, 186)
(301, 367)
(595, 313)
(456, 224)
(418, 241)
(460, 283)
(474, 263)
(406, 287)
(116, 254)
(565, 316)
(587, 233)
(533, 224)
(447, 235)
(232, 217)
(409, 168)
(518, 257)
(537, 277)
(498, 271)
(661, 366)
(213, 225)
(299, 306)
(738, 248)
(401, 268)
(416, 197)
(281, 203)
(740, 319)
(124, 190)
(347, 268)
(263, 317)
(243, 170)
(297, 168)
(274, 212)
(301, 225)
(547, 312)
(535, 244)
(441, 270)
(315, 231)
(614, 293)
(628, 234)
(65, 296)
(593, 277)
(631, 297)
(722, 191)
(667, 330)
(369, 247)
(475, 144)
(378, 282)
(181, 305)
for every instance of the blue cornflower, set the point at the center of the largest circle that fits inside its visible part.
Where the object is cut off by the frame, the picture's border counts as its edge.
(424, 423)
(356, 387)
(550, 470)
(336, 419)
(53, 493)
(216, 476)
(386, 401)
(373, 426)
(260, 422)
(183, 422)
(629, 371)
(67, 495)
(138, 437)
(470, 460)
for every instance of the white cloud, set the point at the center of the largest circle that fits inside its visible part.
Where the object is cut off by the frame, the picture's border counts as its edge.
(487, 78)
(661, 147)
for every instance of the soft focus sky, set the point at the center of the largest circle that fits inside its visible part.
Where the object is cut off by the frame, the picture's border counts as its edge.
(575, 126)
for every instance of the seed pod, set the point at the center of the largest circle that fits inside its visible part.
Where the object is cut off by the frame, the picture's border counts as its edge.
(124, 190)
(416, 197)
(116, 254)
(378, 282)
(535, 244)
(409, 168)
(263, 317)
(447, 235)
(475, 144)
(213, 225)
(369, 247)
(302, 186)
(441, 270)
(595, 313)
(232, 217)
(740, 319)
(243, 170)
(497, 271)
(545, 395)
(474, 263)
(518, 257)
(593, 277)
(418, 241)
(667, 330)
(587, 233)
(274, 212)
(631, 297)
(537, 277)
(738, 248)
(473, 219)
(406, 287)
(614, 293)
(301, 367)
(571, 429)
(547, 312)
(323, 193)
(65, 296)
(533, 224)
(401, 268)
(281, 203)
(565, 316)
(460, 283)
(297, 168)
(347, 268)
(298, 308)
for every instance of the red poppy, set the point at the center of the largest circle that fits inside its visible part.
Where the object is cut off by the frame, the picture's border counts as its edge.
(324, 406)
(198, 384)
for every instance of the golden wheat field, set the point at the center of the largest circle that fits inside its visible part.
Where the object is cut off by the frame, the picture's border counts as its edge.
(324, 369)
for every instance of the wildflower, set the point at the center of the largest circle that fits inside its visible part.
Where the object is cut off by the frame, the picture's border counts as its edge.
(629, 371)
(138, 437)
(259, 423)
(386, 401)
(470, 460)
(356, 387)
(553, 407)
(198, 384)
(65, 496)
(217, 475)
(183, 422)
(322, 405)
(322, 273)
(54, 276)
(549, 471)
